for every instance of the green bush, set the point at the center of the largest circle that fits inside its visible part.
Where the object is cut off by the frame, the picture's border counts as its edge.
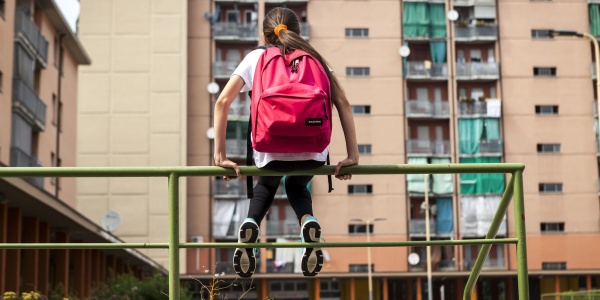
(129, 287)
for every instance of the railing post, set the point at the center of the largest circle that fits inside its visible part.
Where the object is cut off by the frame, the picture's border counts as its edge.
(522, 275)
(173, 236)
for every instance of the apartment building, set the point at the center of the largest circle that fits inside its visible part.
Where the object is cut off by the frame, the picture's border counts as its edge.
(39, 59)
(483, 81)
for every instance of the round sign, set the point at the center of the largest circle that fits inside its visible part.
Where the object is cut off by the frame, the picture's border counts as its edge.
(404, 51)
(413, 259)
(452, 15)
(213, 88)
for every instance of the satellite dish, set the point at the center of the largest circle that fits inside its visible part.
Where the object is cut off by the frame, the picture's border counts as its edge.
(404, 51)
(413, 259)
(111, 220)
(210, 133)
(212, 88)
(452, 15)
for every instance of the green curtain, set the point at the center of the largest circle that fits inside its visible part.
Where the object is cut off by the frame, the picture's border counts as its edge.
(438, 52)
(478, 184)
(415, 20)
(442, 183)
(595, 19)
(415, 182)
(469, 135)
(492, 129)
(438, 20)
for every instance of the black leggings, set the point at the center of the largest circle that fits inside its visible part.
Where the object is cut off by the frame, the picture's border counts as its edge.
(295, 187)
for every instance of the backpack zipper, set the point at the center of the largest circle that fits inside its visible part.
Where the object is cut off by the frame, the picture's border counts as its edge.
(295, 65)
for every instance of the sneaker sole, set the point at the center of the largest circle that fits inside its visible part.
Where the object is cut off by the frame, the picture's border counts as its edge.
(312, 258)
(244, 261)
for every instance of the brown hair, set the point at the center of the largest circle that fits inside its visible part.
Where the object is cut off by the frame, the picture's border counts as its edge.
(290, 40)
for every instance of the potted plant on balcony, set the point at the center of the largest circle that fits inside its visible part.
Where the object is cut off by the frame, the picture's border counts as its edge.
(466, 105)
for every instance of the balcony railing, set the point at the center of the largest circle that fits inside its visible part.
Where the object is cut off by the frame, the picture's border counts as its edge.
(426, 70)
(283, 228)
(28, 104)
(474, 2)
(232, 230)
(304, 30)
(224, 69)
(470, 108)
(239, 108)
(277, 267)
(424, 108)
(473, 33)
(417, 228)
(443, 265)
(230, 189)
(428, 148)
(490, 147)
(232, 30)
(236, 148)
(594, 70)
(477, 70)
(32, 35)
(490, 263)
(18, 158)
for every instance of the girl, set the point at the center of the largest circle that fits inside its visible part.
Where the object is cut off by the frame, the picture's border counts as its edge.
(281, 28)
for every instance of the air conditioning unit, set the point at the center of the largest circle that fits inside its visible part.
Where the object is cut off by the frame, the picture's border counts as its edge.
(197, 239)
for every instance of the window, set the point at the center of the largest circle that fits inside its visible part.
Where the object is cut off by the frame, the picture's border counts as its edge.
(2, 5)
(360, 189)
(1, 79)
(357, 32)
(361, 268)
(552, 227)
(550, 187)
(361, 109)
(548, 148)
(56, 51)
(546, 109)
(358, 71)
(541, 72)
(364, 149)
(541, 34)
(554, 266)
(54, 109)
(359, 228)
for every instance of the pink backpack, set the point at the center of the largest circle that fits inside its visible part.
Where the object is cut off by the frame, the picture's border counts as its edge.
(291, 103)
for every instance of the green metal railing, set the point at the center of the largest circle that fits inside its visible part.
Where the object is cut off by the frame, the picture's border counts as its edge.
(514, 188)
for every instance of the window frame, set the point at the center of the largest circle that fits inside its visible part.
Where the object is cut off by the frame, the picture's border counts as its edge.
(352, 189)
(552, 227)
(365, 149)
(537, 71)
(543, 187)
(354, 32)
(358, 71)
(542, 109)
(535, 34)
(356, 109)
(553, 148)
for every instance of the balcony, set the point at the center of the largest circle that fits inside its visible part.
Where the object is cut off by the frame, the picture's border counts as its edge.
(427, 109)
(235, 189)
(236, 148)
(476, 33)
(283, 228)
(304, 30)
(417, 228)
(18, 158)
(277, 267)
(235, 31)
(428, 148)
(232, 230)
(489, 264)
(486, 147)
(472, 108)
(594, 70)
(477, 71)
(443, 265)
(27, 103)
(240, 109)
(224, 69)
(474, 2)
(426, 70)
(28, 32)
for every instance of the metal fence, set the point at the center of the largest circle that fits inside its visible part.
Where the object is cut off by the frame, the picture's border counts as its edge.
(514, 187)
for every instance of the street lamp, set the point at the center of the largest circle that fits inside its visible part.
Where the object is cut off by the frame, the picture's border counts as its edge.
(369, 275)
(594, 41)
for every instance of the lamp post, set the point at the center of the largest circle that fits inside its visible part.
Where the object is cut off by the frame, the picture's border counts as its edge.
(369, 275)
(596, 54)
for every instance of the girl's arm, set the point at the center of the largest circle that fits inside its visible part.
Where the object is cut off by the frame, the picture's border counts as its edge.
(229, 93)
(345, 112)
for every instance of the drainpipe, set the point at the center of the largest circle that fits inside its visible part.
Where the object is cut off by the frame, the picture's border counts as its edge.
(59, 109)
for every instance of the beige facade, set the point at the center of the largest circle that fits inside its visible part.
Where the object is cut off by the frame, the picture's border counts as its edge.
(133, 112)
(482, 88)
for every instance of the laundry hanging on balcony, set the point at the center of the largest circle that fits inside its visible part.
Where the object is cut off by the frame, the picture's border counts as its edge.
(442, 183)
(438, 52)
(471, 132)
(424, 20)
(415, 182)
(444, 220)
(477, 213)
(595, 19)
(484, 183)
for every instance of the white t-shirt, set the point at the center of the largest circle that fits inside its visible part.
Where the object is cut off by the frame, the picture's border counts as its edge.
(246, 71)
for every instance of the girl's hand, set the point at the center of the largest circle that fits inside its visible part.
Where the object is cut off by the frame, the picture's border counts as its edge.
(346, 162)
(226, 163)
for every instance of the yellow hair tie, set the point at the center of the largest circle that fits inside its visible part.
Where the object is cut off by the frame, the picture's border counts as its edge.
(278, 28)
